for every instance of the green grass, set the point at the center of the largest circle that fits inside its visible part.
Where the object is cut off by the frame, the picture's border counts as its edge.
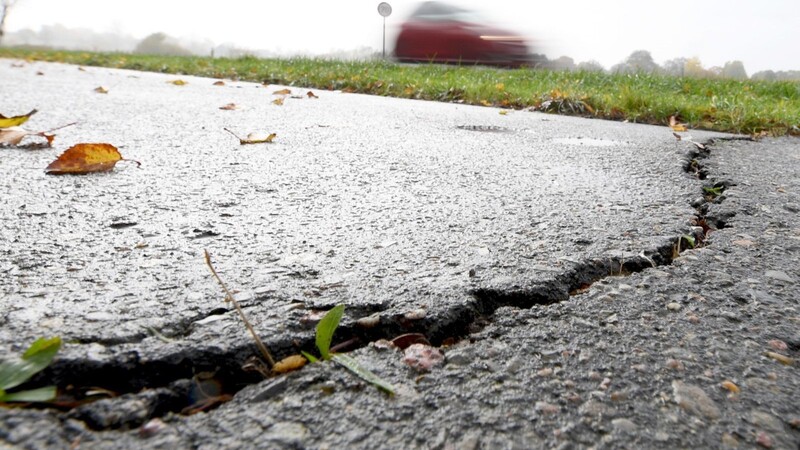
(745, 107)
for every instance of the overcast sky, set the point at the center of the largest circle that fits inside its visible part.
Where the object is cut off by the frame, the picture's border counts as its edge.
(763, 34)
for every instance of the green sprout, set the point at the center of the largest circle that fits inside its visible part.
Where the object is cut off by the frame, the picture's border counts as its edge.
(19, 370)
(324, 336)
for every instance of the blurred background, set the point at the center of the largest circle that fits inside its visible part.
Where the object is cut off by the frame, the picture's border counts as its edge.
(712, 37)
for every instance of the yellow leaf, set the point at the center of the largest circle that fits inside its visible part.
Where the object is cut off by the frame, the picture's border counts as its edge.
(101, 90)
(500, 86)
(673, 123)
(504, 112)
(85, 158)
(485, 103)
(278, 101)
(178, 82)
(282, 92)
(288, 364)
(6, 122)
(254, 138)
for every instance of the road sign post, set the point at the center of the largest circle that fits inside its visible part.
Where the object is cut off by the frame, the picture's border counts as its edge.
(385, 10)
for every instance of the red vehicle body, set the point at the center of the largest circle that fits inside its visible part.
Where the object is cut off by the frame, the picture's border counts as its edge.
(438, 32)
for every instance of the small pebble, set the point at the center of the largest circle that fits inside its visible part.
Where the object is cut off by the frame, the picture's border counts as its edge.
(778, 345)
(764, 440)
(547, 408)
(675, 364)
(730, 441)
(546, 372)
(674, 306)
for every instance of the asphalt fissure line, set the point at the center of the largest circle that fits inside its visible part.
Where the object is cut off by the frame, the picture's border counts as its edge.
(192, 379)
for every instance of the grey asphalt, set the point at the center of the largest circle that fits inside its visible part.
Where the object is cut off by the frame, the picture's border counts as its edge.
(459, 222)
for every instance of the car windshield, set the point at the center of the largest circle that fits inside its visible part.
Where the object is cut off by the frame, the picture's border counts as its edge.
(436, 11)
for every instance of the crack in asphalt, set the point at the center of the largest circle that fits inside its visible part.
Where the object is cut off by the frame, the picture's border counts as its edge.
(174, 383)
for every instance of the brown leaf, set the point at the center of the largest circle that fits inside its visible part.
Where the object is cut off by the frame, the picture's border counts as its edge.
(730, 386)
(40, 73)
(282, 92)
(178, 82)
(289, 364)
(13, 137)
(699, 145)
(406, 340)
(311, 95)
(219, 83)
(85, 158)
(254, 138)
(7, 122)
(677, 136)
(229, 107)
(278, 101)
(101, 90)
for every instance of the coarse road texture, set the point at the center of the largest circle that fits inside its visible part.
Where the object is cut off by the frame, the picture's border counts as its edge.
(457, 222)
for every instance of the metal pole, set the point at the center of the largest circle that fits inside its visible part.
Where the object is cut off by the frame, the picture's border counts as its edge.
(384, 37)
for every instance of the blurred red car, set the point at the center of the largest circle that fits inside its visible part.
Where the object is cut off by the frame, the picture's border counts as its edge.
(442, 33)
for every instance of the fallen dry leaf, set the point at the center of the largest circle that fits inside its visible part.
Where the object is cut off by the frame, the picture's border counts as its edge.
(40, 73)
(677, 136)
(311, 95)
(673, 123)
(406, 340)
(254, 138)
(282, 92)
(278, 101)
(229, 107)
(503, 112)
(85, 158)
(178, 82)
(101, 90)
(6, 122)
(289, 364)
(13, 136)
(219, 83)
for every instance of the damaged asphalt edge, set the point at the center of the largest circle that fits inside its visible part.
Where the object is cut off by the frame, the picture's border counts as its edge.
(163, 384)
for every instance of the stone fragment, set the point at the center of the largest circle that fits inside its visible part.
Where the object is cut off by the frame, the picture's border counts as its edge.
(779, 275)
(423, 357)
(729, 441)
(624, 425)
(673, 306)
(694, 400)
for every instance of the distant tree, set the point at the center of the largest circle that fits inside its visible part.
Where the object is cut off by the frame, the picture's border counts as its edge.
(765, 75)
(160, 44)
(5, 9)
(694, 68)
(638, 61)
(591, 66)
(734, 70)
(562, 63)
(675, 67)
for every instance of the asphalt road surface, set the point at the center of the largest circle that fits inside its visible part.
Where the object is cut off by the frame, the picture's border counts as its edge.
(542, 254)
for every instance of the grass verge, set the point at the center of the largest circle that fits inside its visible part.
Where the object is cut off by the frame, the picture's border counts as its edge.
(742, 107)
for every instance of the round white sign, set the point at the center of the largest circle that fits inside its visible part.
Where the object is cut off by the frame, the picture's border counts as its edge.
(384, 9)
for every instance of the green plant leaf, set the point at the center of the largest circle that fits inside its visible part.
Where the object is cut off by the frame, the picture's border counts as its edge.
(44, 394)
(311, 358)
(352, 365)
(36, 357)
(689, 240)
(325, 329)
(713, 191)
